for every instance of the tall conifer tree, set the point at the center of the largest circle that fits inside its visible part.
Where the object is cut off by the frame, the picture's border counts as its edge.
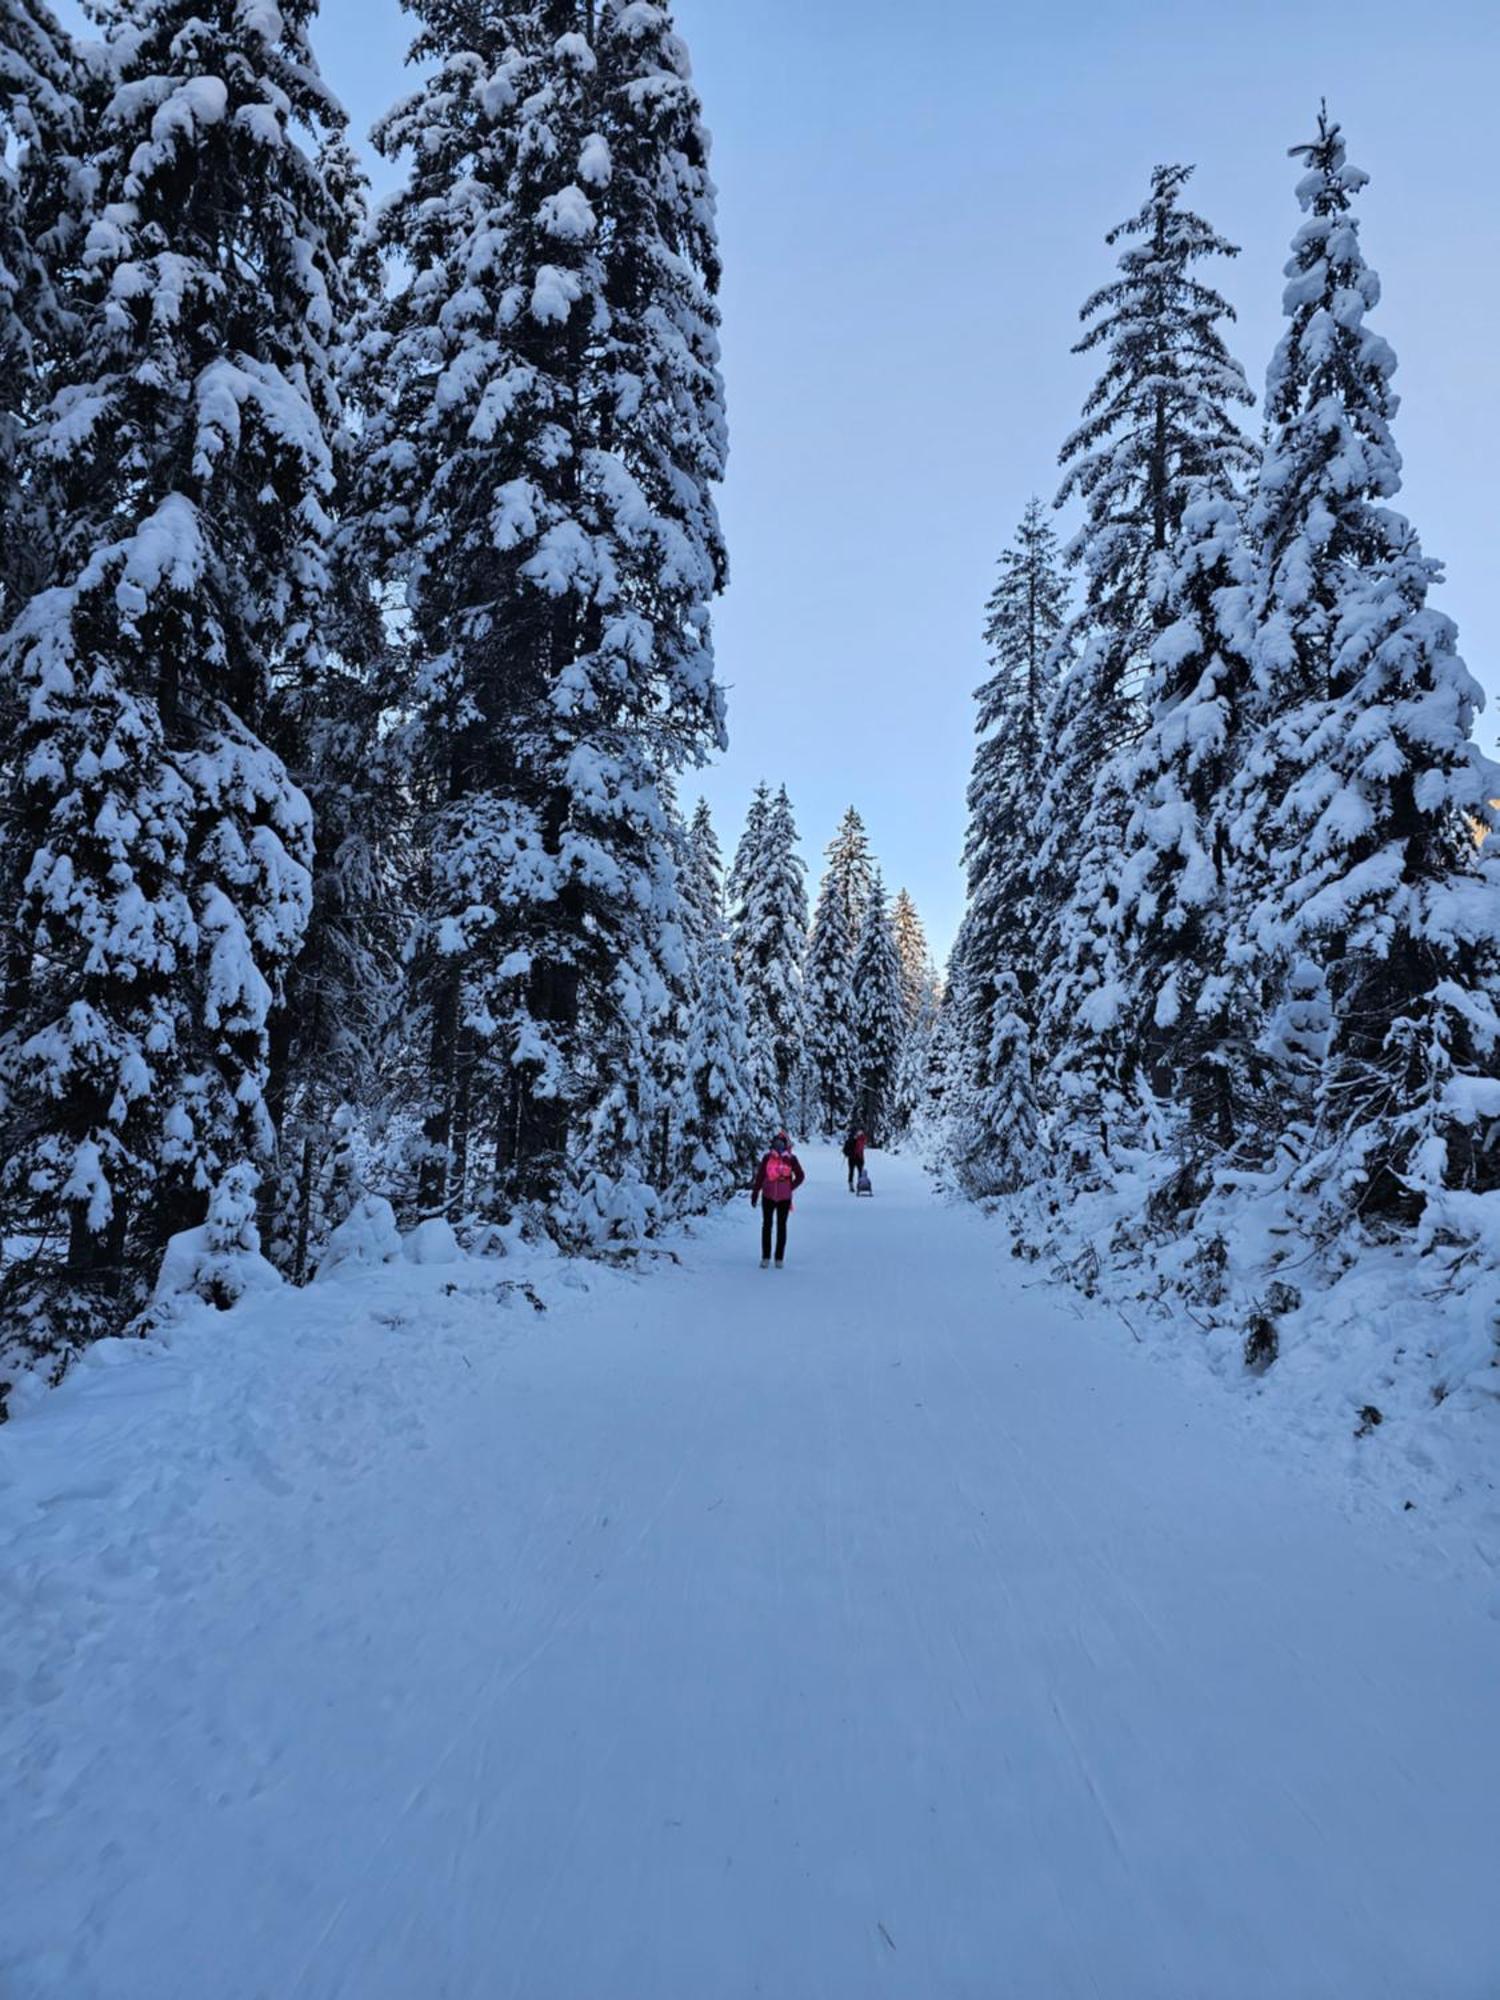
(41, 199)
(996, 1141)
(770, 936)
(832, 1030)
(334, 1043)
(1357, 798)
(1159, 427)
(166, 884)
(911, 950)
(703, 876)
(718, 1126)
(1025, 622)
(880, 1016)
(554, 427)
(1189, 1005)
(747, 854)
(912, 1095)
(850, 875)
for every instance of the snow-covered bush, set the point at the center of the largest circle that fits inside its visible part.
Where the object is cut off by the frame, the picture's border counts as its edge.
(365, 1239)
(220, 1261)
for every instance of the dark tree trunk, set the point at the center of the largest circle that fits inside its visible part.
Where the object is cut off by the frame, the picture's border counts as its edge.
(306, 1178)
(437, 1129)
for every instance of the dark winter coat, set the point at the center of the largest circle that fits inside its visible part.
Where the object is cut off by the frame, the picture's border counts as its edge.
(757, 1187)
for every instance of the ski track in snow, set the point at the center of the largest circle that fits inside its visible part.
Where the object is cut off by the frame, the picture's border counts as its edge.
(879, 1627)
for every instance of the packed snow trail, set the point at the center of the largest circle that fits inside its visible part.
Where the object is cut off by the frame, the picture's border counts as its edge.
(875, 1627)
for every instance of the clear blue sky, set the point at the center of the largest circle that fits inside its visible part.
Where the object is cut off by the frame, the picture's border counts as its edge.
(913, 201)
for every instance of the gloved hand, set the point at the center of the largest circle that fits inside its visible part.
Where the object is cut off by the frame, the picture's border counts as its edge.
(755, 1201)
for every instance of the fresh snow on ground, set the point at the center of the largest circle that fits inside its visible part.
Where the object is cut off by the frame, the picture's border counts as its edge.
(891, 1625)
(1387, 1377)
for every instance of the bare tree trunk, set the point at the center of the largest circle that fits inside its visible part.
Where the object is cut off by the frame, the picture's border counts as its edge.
(437, 1129)
(463, 1113)
(304, 1209)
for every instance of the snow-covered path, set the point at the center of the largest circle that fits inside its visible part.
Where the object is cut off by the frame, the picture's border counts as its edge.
(875, 1628)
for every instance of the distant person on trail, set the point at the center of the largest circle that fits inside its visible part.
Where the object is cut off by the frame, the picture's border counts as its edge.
(777, 1179)
(854, 1153)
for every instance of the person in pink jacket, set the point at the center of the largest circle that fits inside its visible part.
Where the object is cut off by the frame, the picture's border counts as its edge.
(777, 1179)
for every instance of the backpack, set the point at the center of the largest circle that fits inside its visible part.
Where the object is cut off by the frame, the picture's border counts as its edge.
(778, 1177)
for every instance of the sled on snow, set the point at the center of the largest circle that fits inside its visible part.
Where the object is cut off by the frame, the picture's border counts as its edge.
(862, 1185)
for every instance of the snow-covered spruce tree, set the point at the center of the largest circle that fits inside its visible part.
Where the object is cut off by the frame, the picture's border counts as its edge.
(914, 1097)
(850, 876)
(470, 462)
(332, 1046)
(703, 878)
(552, 429)
(332, 725)
(832, 1044)
(831, 1072)
(996, 1146)
(679, 926)
(335, 1042)
(1190, 1011)
(701, 915)
(943, 1091)
(1011, 1116)
(713, 1130)
(40, 201)
(1360, 788)
(1025, 621)
(166, 873)
(1158, 428)
(768, 927)
(911, 949)
(745, 866)
(664, 432)
(622, 1159)
(880, 1016)
(717, 1127)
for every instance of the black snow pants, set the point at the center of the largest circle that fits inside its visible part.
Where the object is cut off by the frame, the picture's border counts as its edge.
(774, 1213)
